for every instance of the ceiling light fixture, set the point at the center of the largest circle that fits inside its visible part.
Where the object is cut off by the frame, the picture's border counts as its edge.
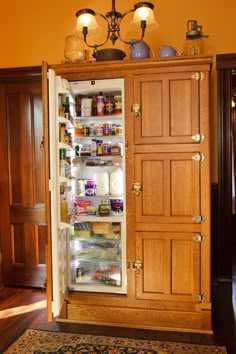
(143, 20)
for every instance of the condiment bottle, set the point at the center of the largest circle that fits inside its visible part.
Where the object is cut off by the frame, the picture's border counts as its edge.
(62, 130)
(100, 104)
(67, 108)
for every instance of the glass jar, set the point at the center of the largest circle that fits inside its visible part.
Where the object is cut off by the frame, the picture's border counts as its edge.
(193, 46)
(118, 104)
(74, 49)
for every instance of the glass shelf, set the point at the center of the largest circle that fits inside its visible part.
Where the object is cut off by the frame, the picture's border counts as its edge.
(95, 218)
(105, 117)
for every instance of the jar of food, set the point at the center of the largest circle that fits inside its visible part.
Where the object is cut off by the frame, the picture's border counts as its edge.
(107, 128)
(78, 129)
(106, 149)
(85, 130)
(100, 104)
(99, 130)
(99, 147)
(109, 107)
(118, 104)
(90, 188)
(118, 129)
(104, 208)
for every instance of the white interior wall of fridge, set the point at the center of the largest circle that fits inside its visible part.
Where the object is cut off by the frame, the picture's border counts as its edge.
(91, 87)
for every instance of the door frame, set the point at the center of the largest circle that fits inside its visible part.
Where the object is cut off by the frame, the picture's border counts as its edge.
(225, 65)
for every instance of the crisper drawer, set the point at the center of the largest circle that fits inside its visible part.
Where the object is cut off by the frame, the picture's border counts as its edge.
(97, 257)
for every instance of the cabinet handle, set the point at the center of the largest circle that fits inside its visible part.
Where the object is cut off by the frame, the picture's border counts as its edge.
(136, 188)
(136, 109)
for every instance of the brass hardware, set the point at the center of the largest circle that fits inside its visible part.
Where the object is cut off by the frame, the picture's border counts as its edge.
(201, 76)
(42, 144)
(199, 297)
(198, 137)
(136, 188)
(136, 109)
(126, 144)
(198, 76)
(137, 265)
(199, 218)
(198, 157)
(128, 264)
(198, 238)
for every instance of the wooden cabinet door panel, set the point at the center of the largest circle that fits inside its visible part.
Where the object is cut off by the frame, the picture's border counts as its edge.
(170, 188)
(169, 108)
(24, 233)
(170, 266)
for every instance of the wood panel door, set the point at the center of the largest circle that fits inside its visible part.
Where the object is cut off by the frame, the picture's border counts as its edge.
(23, 223)
(169, 107)
(170, 266)
(170, 188)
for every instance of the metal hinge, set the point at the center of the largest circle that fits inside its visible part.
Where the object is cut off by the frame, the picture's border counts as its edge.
(198, 137)
(199, 218)
(126, 144)
(136, 109)
(198, 76)
(198, 238)
(199, 297)
(198, 157)
(137, 265)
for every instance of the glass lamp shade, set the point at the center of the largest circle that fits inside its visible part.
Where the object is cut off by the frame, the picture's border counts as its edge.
(86, 18)
(144, 13)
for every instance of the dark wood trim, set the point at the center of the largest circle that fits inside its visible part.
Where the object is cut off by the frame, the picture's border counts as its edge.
(20, 73)
(214, 230)
(225, 63)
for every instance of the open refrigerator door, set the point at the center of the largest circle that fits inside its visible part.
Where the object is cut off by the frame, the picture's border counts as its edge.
(59, 230)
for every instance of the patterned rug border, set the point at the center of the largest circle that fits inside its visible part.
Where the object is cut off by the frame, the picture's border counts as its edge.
(51, 342)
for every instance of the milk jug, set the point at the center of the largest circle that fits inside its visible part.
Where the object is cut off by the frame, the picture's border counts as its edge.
(116, 182)
(101, 179)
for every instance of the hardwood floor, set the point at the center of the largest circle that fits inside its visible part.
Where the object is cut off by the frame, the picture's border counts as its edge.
(22, 308)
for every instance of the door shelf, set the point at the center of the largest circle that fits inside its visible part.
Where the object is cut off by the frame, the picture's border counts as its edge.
(66, 121)
(65, 146)
(64, 180)
(64, 225)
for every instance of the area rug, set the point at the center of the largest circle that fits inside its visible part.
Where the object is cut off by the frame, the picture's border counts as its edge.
(45, 342)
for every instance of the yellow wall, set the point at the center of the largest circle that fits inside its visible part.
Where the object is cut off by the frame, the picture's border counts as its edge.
(32, 31)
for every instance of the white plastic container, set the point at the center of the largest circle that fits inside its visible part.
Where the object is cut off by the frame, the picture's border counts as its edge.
(116, 182)
(101, 179)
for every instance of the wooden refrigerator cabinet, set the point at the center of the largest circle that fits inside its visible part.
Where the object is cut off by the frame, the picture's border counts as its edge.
(166, 105)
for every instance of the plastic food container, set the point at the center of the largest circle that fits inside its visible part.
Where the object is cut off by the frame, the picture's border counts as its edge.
(117, 206)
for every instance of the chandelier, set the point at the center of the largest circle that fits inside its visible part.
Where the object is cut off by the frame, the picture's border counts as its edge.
(143, 19)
